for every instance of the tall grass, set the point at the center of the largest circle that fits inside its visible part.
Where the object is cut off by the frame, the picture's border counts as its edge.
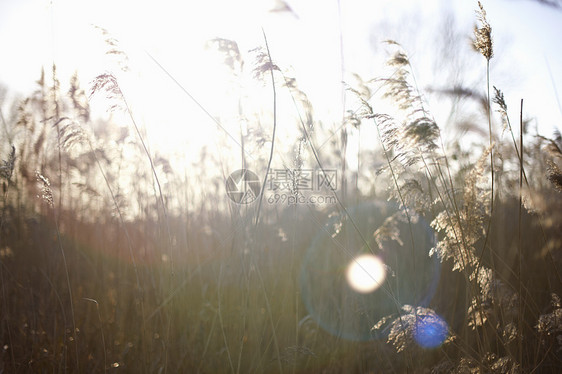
(132, 271)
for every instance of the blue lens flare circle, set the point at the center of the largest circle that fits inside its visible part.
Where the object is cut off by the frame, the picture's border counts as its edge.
(430, 331)
(411, 275)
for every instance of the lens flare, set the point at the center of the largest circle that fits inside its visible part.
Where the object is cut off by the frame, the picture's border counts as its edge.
(366, 273)
(327, 269)
(430, 331)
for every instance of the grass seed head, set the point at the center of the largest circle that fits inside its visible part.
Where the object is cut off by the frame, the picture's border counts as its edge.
(482, 41)
(7, 167)
(45, 186)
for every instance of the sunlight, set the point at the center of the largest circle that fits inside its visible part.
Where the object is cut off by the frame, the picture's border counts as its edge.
(263, 185)
(182, 95)
(366, 273)
(192, 100)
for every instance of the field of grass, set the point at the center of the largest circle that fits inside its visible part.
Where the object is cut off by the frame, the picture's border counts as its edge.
(111, 262)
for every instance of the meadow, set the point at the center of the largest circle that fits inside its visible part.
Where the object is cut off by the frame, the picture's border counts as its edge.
(111, 261)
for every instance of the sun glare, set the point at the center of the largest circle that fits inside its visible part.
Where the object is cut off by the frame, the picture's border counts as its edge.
(181, 93)
(366, 273)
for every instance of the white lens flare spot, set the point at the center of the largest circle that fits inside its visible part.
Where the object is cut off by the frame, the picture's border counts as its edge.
(366, 273)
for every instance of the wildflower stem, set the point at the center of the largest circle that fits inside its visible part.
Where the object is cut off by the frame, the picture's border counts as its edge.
(520, 337)
(5, 309)
(491, 135)
(69, 291)
(274, 127)
(268, 305)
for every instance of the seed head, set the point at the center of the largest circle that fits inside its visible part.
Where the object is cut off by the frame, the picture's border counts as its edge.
(45, 188)
(482, 41)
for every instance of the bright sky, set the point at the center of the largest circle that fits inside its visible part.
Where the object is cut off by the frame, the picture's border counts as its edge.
(36, 32)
